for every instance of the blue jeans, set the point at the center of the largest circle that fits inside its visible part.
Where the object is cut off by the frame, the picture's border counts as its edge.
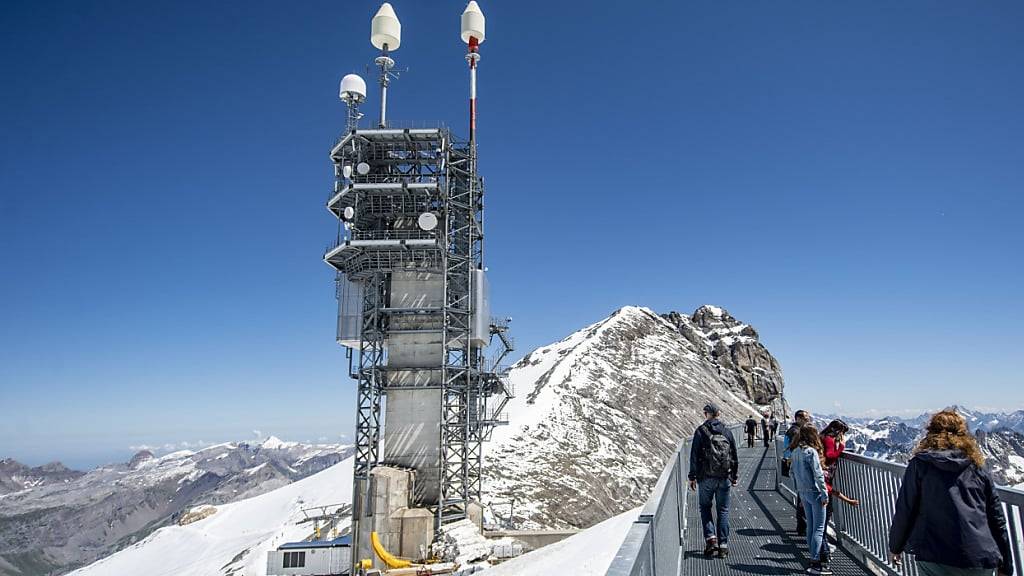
(815, 514)
(718, 490)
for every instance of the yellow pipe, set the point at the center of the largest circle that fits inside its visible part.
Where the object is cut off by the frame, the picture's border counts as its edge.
(389, 559)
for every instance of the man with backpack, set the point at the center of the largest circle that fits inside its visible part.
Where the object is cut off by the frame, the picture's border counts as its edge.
(714, 468)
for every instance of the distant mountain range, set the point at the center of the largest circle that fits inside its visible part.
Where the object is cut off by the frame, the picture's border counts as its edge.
(1000, 435)
(53, 519)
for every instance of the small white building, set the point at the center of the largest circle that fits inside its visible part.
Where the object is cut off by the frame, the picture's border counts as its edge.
(313, 558)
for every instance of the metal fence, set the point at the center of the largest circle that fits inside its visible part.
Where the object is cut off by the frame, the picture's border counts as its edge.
(864, 530)
(655, 543)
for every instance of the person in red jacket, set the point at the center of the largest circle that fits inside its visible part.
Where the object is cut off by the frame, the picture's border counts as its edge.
(833, 440)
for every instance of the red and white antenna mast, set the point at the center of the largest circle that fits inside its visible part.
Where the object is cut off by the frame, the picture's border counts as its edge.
(473, 25)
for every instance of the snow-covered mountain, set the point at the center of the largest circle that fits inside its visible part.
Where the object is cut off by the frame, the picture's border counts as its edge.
(894, 439)
(234, 540)
(57, 521)
(597, 414)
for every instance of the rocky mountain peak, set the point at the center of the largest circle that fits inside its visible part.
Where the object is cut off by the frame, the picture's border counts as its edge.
(597, 413)
(734, 347)
(139, 459)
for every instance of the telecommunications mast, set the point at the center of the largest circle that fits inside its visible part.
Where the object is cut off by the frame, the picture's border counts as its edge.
(414, 312)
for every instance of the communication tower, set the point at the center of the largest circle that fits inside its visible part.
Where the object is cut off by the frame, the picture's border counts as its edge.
(414, 309)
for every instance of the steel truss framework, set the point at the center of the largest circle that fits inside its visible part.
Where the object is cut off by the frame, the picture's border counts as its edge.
(411, 172)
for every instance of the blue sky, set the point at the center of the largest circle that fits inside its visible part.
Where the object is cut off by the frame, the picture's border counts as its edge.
(847, 177)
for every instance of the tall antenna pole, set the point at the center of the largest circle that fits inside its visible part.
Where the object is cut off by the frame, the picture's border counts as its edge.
(386, 64)
(473, 25)
(386, 36)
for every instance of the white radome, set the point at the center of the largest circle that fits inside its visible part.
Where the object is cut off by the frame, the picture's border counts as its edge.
(353, 88)
(386, 29)
(427, 221)
(473, 23)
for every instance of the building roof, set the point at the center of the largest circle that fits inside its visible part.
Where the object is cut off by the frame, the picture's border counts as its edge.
(337, 542)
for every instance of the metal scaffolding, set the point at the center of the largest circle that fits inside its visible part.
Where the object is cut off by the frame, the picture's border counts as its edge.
(388, 181)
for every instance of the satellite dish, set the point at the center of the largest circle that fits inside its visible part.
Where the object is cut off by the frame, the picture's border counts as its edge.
(363, 168)
(347, 171)
(427, 221)
(353, 89)
(473, 23)
(385, 29)
(349, 213)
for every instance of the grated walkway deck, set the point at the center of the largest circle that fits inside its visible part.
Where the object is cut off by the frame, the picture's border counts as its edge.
(763, 526)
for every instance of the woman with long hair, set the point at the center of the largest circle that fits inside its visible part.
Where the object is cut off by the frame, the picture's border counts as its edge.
(948, 512)
(809, 475)
(833, 445)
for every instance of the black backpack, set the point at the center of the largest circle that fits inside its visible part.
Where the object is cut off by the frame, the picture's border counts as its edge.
(717, 454)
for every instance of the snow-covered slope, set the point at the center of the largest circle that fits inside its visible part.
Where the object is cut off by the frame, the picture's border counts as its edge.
(234, 540)
(54, 526)
(588, 553)
(597, 414)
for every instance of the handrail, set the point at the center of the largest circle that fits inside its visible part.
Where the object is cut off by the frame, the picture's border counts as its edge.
(655, 542)
(864, 531)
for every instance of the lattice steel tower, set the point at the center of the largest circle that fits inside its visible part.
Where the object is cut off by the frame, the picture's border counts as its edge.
(414, 309)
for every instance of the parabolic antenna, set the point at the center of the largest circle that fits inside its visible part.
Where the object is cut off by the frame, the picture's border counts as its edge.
(386, 29)
(353, 89)
(363, 168)
(347, 171)
(349, 213)
(427, 221)
(473, 23)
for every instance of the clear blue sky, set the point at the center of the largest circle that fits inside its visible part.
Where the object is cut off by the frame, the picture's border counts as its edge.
(846, 176)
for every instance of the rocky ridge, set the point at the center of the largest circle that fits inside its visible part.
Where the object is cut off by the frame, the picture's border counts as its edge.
(597, 414)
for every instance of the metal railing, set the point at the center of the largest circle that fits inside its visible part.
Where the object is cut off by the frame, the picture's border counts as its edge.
(655, 543)
(864, 530)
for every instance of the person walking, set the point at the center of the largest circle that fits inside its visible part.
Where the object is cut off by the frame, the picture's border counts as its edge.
(764, 430)
(714, 468)
(773, 425)
(948, 513)
(810, 485)
(751, 429)
(800, 418)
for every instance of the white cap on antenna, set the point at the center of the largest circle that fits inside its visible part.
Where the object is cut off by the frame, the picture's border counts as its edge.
(473, 23)
(386, 29)
(353, 89)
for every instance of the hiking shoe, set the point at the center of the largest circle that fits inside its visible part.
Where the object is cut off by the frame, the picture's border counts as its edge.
(819, 568)
(711, 547)
(723, 552)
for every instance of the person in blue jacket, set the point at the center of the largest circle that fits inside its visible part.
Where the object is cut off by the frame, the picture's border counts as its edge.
(948, 513)
(809, 475)
(714, 467)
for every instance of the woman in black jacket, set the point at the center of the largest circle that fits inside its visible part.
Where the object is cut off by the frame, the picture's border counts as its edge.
(948, 513)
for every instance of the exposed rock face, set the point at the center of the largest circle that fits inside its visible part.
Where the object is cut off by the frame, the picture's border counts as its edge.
(734, 347)
(16, 477)
(70, 519)
(597, 415)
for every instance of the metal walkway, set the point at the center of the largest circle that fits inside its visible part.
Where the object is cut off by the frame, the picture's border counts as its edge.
(763, 536)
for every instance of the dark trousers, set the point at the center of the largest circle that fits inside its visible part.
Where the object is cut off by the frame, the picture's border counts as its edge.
(714, 491)
(750, 439)
(801, 520)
